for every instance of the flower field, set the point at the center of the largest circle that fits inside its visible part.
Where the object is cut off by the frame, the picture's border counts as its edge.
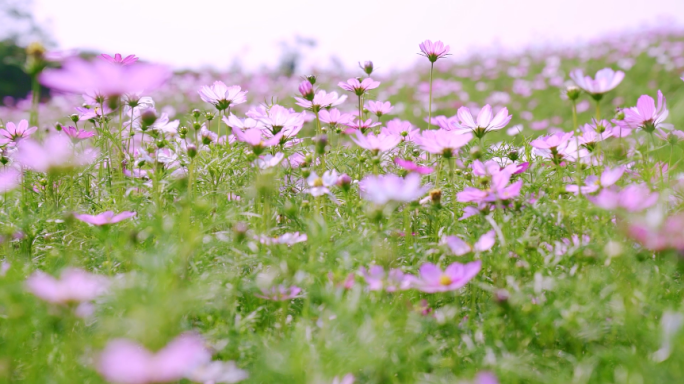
(510, 218)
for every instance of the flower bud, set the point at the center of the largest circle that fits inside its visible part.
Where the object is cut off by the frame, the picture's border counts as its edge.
(321, 142)
(197, 125)
(196, 113)
(306, 173)
(308, 158)
(148, 117)
(74, 118)
(572, 92)
(502, 296)
(475, 153)
(344, 182)
(192, 150)
(311, 79)
(58, 127)
(209, 116)
(367, 67)
(240, 230)
(183, 130)
(306, 90)
(619, 115)
(436, 196)
(513, 155)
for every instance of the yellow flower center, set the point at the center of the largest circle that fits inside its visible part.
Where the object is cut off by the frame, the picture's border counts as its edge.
(444, 280)
(318, 182)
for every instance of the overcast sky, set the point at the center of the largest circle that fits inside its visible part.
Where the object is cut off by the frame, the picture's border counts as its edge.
(196, 33)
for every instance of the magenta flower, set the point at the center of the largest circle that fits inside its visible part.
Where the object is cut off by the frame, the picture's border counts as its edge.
(401, 128)
(222, 96)
(359, 87)
(376, 280)
(126, 362)
(552, 141)
(280, 293)
(56, 152)
(10, 178)
(361, 125)
(118, 59)
(104, 78)
(104, 218)
(306, 89)
(77, 134)
(459, 247)
(75, 285)
(334, 117)
(432, 279)
(379, 143)
(321, 100)
(383, 189)
(433, 51)
(413, 167)
(445, 143)
(17, 132)
(606, 80)
(379, 108)
(633, 198)
(486, 122)
(645, 115)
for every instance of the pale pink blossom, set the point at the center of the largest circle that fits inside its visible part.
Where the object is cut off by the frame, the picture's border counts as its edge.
(222, 96)
(359, 87)
(383, 189)
(432, 279)
(376, 143)
(118, 59)
(379, 108)
(445, 143)
(433, 51)
(56, 152)
(104, 218)
(605, 81)
(486, 121)
(75, 285)
(16, 132)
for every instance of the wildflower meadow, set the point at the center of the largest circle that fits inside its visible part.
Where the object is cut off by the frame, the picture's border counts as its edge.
(512, 218)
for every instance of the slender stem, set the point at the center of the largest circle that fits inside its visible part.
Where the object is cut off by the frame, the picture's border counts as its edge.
(360, 111)
(432, 66)
(35, 99)
(598, 110)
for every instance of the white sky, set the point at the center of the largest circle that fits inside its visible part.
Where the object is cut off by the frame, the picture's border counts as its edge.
(196, 33)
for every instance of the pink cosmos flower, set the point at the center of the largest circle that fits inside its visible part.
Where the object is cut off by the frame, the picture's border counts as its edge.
(665, 235)
(499, 190)
(379, 143)
(222, 96)
(347, 379)
(306, 89)
(633, 198)
(254, 137)
(270, 161)
(486, 122)
(413, 167)
(276, 119)
(459, 247)
(395, 280)
(17, 132)
(75, 285)
(383, 189)
(379, 108)
(401, 128)
(55, 152)
(334, 117)
(126, 362)
(104, 218)
(593, 183)
(432, 279)
(433, 51)
(280, 293)
(672, 137)
(236, 123)
(445, 143)
(606, 80)
(486, 378)
(321, 100)
(104, 78)
(645, 115)
(118, 59)
(77, 134)
(361, 125)
(319, 186)
(359, 87)
(10, 178)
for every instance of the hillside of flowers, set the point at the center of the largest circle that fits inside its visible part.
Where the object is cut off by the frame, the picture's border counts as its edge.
(499, 218)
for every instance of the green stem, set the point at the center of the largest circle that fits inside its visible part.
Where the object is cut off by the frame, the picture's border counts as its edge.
(35, 99)
(432, 66)
(598, 110)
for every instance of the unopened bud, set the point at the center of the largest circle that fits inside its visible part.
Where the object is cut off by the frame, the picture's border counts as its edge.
(148, 117)
(240, 230)
(513, 155)
(196, 113)
(502, 296)
(619, 115)
(306, 90)
(183, 130)
(367, 67)
(209, 116)
(572, 92)
(344, 182)
(74, 118)
(192, 150)
(475, 153)
(311, 79)
(58, 127)
(321, 142)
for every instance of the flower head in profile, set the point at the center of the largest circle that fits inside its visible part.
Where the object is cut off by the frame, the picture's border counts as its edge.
(126, 362)
(77, 134)
(118, 59)
(104, 218)
(254, 137)
(56, 152)
(358, 86)
(75, 285)
(432, 279)
(376, 143)
(222, 96)
(280, 293)
(16, 132)
(459, 247)
(401, 128)
(486, 121)
(360, 125)
(101, 77)
(413, 167)
(445, 143)
(379, 108)
(433, 51)
(606, 80)
(321, 100)
(383, 189)
(645, 115)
